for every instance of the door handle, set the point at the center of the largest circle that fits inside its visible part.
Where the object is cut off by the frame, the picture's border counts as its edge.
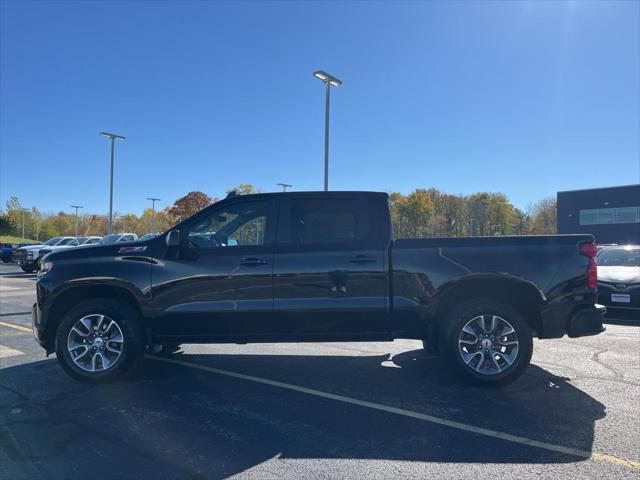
(252, 261)
(362, 259)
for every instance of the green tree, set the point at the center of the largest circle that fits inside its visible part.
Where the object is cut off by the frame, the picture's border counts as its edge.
(520, 224)
(7, 225)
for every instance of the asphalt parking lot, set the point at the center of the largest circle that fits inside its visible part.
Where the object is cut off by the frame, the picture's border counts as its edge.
(325, 410)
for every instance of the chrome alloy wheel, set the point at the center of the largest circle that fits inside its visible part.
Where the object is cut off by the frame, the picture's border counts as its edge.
(95, 343)
(488, 344)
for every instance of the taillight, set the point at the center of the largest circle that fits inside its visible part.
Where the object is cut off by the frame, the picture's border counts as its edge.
(589, 250)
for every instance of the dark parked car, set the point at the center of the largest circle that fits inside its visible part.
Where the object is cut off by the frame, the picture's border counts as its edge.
(619, 279)
(315, 266)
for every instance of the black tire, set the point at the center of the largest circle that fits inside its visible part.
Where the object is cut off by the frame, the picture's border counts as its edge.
(27, 268)
(126, 319)
(430, 346)
(456, 320)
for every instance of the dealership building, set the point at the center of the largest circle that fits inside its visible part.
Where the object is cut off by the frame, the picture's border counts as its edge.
(611, 214)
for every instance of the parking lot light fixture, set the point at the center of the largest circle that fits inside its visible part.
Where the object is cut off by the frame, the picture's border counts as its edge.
(284, 186)
(76, 207)
(329, 81)
(153, 211)
(113, 138)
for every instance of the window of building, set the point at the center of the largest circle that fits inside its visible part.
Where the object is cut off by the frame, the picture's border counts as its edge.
(604, 216)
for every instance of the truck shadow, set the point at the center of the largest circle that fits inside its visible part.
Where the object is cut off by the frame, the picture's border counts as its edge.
(175, 421)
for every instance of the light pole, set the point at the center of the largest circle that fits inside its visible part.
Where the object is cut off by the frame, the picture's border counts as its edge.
(329, 81)
(76, 207)
(23, 210)
(471, 223)
(113, 138)
(284, 186)
(153, 211)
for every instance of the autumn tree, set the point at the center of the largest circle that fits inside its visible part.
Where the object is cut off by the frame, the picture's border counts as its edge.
(191, 203)
(244, 189)
(543, 215)
(412, 214)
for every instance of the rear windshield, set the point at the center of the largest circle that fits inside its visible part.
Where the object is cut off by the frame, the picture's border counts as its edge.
(620, 257)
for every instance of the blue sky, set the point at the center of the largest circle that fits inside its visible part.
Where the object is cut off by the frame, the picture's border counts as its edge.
(526, 98)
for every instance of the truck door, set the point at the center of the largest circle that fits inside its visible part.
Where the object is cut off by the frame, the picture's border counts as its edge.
(220, 282)
(329, 267)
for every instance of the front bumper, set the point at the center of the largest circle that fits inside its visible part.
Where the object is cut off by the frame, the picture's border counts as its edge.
(607, 292)
(587, 321)
(39, 316)
(36, 324)
(23, 260)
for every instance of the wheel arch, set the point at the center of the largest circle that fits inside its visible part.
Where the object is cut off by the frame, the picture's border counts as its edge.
(73, 295)
(516, 292)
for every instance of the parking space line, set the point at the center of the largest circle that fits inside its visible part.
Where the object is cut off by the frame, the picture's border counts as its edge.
(6, 352)
(17, 327)
(600, 457)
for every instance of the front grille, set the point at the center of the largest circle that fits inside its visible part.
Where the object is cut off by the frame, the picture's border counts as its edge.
(19, 254)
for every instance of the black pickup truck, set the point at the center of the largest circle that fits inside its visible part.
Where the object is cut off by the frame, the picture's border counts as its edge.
(315, 266)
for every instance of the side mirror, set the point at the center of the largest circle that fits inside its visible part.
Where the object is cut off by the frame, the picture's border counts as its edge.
(173, 238)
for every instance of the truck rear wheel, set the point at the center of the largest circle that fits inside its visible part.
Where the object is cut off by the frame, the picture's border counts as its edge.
(99, 340)
(487, 342)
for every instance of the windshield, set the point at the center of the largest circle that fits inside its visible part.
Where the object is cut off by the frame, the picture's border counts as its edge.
(620, 257)
(148, 236)
(52, 241)
(110, 238)
(68, 241)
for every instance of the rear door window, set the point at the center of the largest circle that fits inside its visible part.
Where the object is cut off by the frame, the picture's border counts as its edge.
(314, 221)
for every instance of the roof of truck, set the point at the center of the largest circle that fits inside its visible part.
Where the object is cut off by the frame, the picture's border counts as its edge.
(296, 193)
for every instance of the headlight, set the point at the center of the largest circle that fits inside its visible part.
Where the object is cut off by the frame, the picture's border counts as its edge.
(46, 267)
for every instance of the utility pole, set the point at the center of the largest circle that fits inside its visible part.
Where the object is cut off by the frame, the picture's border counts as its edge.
(284, 186)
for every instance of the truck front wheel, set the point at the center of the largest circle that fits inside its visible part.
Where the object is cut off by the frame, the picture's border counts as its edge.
(487, 342)
(99, 340)
(28, 268)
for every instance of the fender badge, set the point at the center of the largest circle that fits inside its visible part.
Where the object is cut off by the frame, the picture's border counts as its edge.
(131, 249)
